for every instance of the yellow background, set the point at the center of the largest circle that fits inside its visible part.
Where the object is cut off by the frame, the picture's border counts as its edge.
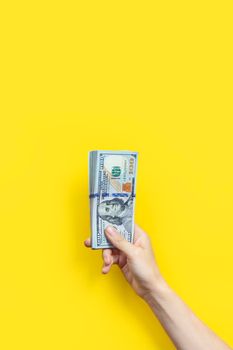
(155, 77)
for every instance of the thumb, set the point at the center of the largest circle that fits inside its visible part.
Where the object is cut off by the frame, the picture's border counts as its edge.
(118, 240)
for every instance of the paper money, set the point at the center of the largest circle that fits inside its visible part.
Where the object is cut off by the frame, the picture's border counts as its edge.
(112, 185)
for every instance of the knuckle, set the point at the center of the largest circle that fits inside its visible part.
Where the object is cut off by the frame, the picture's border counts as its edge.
(120, 239)
(136, 252)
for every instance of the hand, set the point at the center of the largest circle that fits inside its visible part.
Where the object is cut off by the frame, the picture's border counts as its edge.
(136, 261)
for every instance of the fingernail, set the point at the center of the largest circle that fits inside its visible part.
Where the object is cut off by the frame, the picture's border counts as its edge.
(111, 231)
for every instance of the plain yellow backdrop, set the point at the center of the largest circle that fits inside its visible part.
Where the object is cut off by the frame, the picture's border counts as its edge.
(153, 77)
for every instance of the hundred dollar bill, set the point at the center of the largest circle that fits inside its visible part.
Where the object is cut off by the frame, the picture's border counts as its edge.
(112, 186)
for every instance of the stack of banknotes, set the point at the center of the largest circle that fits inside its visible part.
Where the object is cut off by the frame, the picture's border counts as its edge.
(112, 185)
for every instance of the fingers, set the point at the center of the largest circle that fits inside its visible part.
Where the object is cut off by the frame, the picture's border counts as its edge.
(141, 238)
(87, 242)
(118, 240)
(139, 232)
(108, 260)
(106, 269)
(107, 256)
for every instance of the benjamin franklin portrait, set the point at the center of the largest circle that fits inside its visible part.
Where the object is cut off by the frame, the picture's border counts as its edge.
(117, 212)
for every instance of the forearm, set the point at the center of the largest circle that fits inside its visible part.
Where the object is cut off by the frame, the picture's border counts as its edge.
(183, 327)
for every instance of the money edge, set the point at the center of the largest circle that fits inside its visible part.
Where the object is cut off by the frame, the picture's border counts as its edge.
(94, 245)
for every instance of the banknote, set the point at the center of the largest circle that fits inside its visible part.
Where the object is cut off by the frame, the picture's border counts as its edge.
(112, 192)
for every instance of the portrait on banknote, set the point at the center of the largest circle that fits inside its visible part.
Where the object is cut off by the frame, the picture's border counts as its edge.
(117, 212)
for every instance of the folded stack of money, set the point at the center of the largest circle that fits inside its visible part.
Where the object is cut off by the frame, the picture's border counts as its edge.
(112, 185)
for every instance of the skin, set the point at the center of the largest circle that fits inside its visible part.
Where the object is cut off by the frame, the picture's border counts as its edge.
(138, 265)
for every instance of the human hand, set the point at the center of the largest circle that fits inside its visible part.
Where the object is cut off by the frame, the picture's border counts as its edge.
(136, 261)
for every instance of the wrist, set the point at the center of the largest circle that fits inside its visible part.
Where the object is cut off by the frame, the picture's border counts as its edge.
(158, 290)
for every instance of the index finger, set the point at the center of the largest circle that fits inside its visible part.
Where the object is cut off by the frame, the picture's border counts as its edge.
(87, 242)
(107, 256)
